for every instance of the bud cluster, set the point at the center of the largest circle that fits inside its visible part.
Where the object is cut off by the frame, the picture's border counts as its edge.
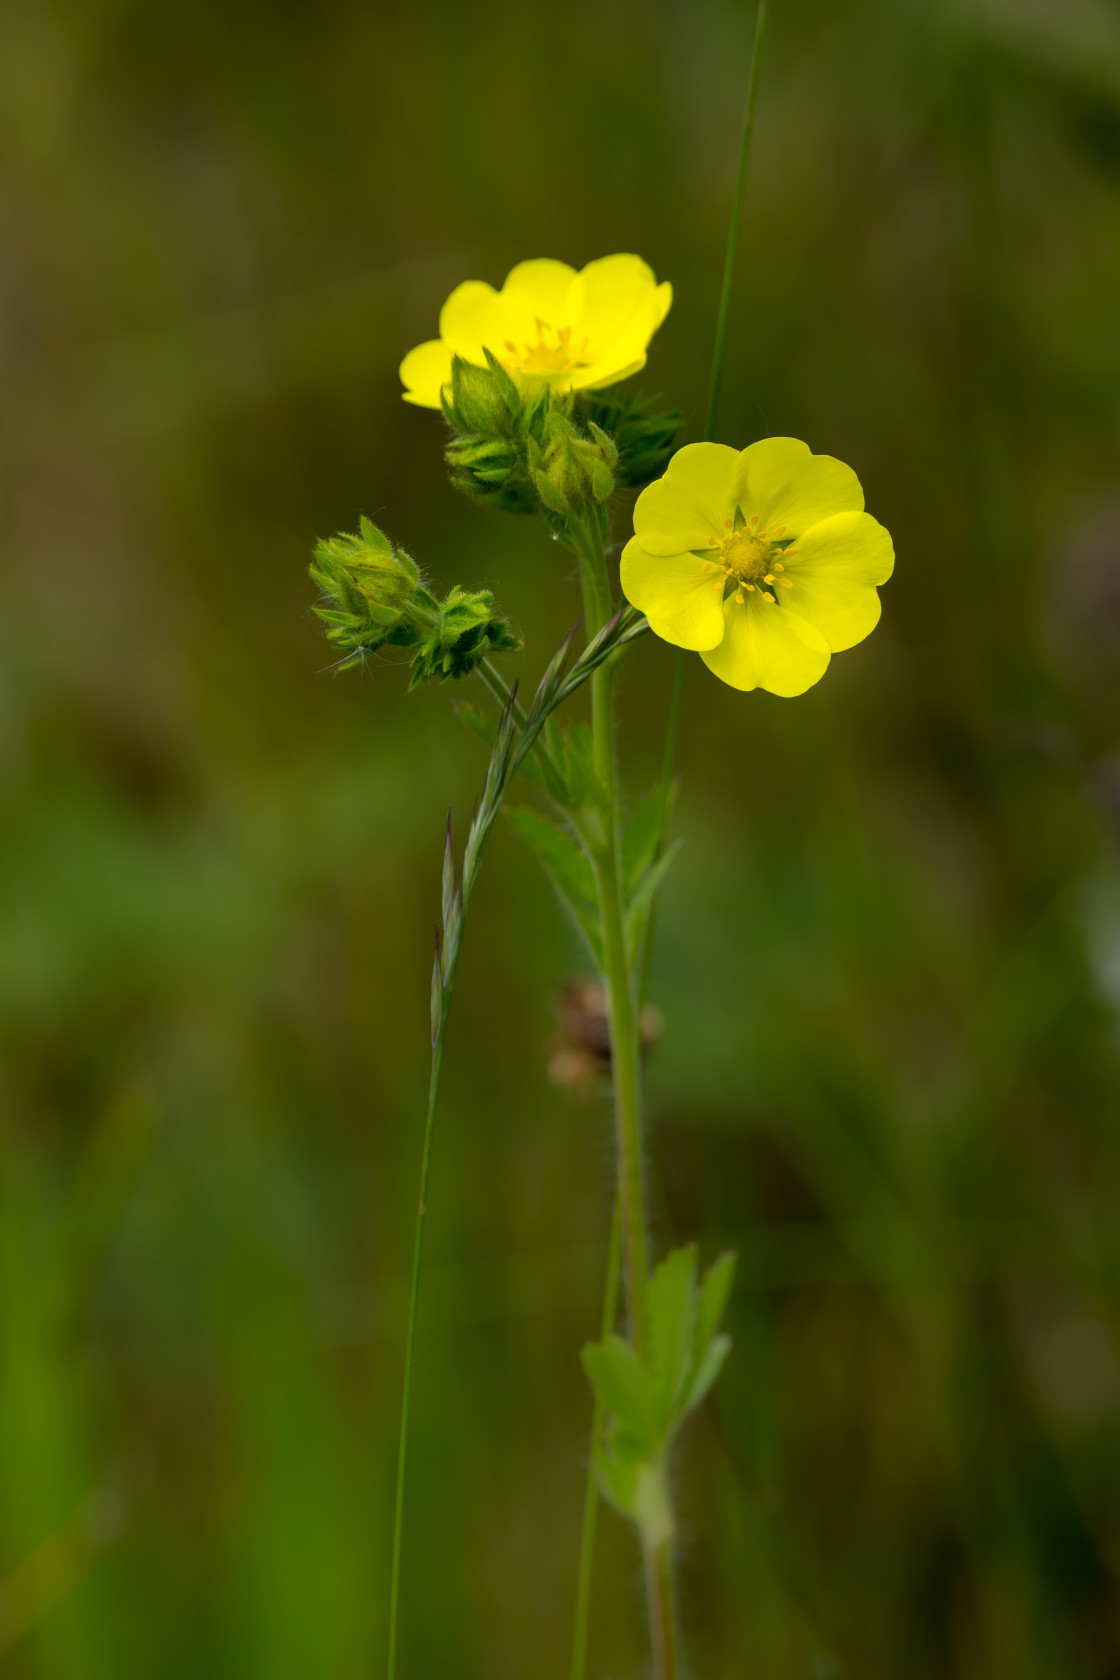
(373, 597)
(541, 451)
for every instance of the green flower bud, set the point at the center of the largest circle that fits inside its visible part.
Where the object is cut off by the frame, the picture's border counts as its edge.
(367, 586)
(373, 597)
(464, 631)
(574, 470)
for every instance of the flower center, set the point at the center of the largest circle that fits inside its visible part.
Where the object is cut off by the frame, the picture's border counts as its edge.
(746, 559)
(552, 352)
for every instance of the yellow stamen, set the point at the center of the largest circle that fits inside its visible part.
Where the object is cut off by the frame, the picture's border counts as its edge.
(778, 531)
(707, 566)
(786, 583)
(769, 578)
(727, 524)
(766, 595)
(749, 587)
(739, 597)
(778, 567)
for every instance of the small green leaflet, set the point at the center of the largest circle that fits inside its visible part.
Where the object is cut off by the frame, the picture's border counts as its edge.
(649, 1397)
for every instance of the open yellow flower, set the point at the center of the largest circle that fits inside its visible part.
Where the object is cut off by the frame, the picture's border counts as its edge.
(761, 560)
(548, 326)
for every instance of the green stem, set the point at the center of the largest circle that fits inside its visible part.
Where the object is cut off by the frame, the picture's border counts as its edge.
(410, 1339)
(591, 1491)
(715, 386)
(598, 605)
(659, 1590)
(618, 972)
(716, 383)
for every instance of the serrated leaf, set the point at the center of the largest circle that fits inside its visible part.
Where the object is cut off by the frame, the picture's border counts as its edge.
(585, 790)
(715, 1287)
(640, 841)
(671, 1329)
(568, 868)
(711, 1364)
(644, 893)
(624, 1386)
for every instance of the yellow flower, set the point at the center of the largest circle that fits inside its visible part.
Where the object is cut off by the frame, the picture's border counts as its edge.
(760, 560)
(548, 326)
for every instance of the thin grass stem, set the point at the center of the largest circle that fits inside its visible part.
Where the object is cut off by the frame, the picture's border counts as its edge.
(715, 385)
(410, 1342)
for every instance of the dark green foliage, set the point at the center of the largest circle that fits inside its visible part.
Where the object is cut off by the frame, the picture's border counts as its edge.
(643, 435)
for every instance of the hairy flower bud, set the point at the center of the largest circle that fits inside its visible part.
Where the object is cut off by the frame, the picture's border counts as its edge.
(373, 597)
(367, 586)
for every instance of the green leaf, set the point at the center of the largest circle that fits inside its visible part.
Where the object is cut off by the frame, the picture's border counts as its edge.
(643, 832)
(620, 1483)
(623, 1385)
(714, 1290)
(644, 893)
(671, 1328)
(585, 790)
(711, 1364)
(569, 870)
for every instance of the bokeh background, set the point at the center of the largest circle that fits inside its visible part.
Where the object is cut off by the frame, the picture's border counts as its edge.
(889, 957)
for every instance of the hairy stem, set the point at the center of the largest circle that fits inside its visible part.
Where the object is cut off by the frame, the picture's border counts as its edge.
(618, 973)
(591, 1491)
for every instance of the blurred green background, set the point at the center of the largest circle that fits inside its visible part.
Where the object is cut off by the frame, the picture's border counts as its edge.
(889, 954)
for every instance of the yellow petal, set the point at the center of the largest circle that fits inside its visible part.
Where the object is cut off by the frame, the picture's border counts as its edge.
(767, 646)
(593, 378)
(472, 317)
(786, 484)
(424, 373)
(541, 287)
(611, 292)
(700, 489)
(680, 599)
(839, 562)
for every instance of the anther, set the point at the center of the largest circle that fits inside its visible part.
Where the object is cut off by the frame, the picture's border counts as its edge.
(786, 583)
(769, 578)
(749, 587)
(707, 566)
(766, 595)
(754, 519)
(727, 524)
(778, 567)
(779, 531)
(739, 597)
